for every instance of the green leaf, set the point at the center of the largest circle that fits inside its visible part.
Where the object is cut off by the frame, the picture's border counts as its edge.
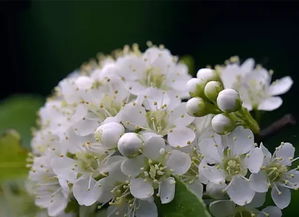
(184, 204)
(19, 112)
(13, 156)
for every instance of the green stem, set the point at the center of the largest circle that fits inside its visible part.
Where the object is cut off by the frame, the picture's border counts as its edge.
(243, 117)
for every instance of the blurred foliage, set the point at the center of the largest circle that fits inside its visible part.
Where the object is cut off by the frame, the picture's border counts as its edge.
(19, 112)
(17, 201)
(17, 117)
(13, 156)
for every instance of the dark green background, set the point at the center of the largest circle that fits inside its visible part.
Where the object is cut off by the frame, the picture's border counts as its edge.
(42, 41)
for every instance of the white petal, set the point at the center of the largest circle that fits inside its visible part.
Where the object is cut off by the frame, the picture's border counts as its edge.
(247, 66)
(111, 163)
(271, 211)
(222, 208)
(180, 137)
(239, 191)
(212, 151)
(285, 152)
(132, 166)
(196, 188)
(64, 168)
(258, 200)
(258, 182)
(147, 208)
(241, 141)
(213, 174)
(254, 160)
(167, 190)
(281, 196)
(141, 188)
(152, 147)
(86, 191)
(179, 162)
(133, 116)
(179, 116)
(292, 177)
(215, 191)
(58, 205)
(85, 127)
(271, 103)
(267, 154)
(280, 86)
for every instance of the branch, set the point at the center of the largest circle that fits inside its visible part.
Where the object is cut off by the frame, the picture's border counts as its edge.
(286, 121)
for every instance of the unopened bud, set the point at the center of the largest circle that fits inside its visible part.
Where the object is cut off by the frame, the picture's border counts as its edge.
(195, 87)
(228, 100)
(108, 134)
(196, 106)
(129, 144)
(221, 124)
(83, 82)
(207, 74)
(212, 90)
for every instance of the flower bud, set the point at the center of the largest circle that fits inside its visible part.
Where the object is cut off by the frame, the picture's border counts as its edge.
(108, 134)
(212, 89)
(83, 82)
(207, 74)
(195, 87)
(129, 144)
(221, 124)
(228, 100)
(196, 106)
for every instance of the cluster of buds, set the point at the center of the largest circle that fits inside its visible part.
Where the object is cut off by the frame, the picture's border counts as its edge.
(210, 97)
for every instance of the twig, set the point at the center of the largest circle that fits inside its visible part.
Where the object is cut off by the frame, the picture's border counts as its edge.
(286, 121)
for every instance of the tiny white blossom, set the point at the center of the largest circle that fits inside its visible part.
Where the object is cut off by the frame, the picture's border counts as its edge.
(254, 85)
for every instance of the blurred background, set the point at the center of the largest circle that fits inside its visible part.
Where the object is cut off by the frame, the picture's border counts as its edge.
(43, 41)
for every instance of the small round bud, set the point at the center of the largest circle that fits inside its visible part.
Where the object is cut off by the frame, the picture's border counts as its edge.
(195, 87)
(207, 74)
(212, 89)
(129, 144)
(83, 82)
(196, 106)
(228, 100)
(108, 134)
(221, 124)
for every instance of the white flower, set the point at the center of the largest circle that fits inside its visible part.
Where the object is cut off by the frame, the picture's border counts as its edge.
(156, 68)
(254, 85)
(163, 121)
(227, 160)
(226, 208)
(154, 168)
(50, 192)
(276, 174)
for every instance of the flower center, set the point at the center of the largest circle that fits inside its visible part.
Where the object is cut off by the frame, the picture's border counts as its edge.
(157, 121)
(232, 166)
(121, 194)
(155, 171)
(153, 78)
(275, 171)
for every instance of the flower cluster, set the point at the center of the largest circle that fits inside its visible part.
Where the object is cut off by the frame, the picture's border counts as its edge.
(117, 135)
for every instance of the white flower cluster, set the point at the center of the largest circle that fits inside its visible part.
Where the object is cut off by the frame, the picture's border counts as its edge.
(117, 136)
